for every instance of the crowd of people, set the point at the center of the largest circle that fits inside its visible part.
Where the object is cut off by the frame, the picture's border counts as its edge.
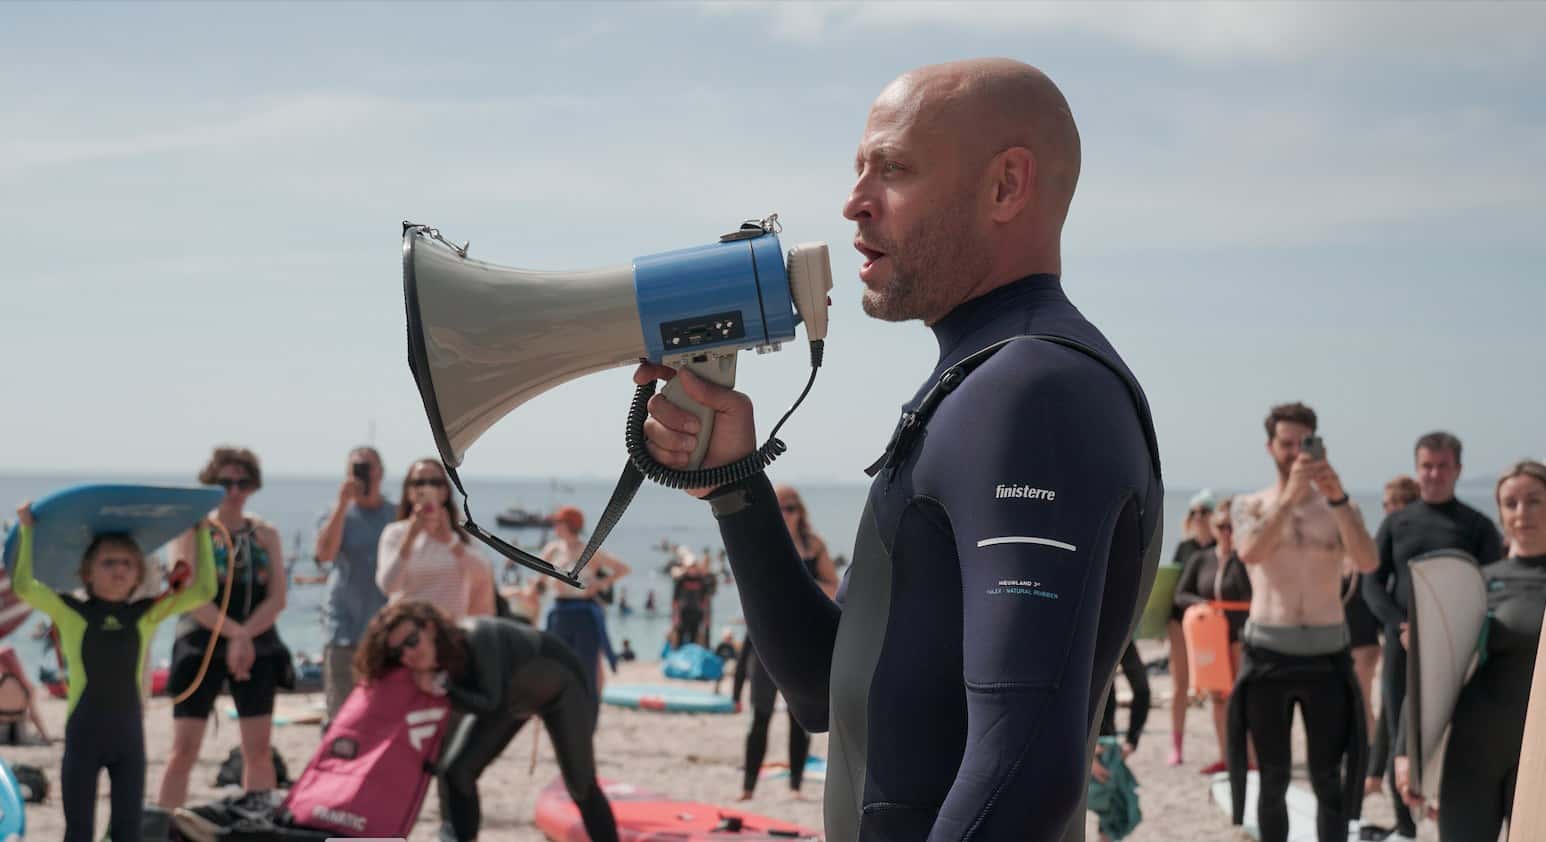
(405, 588)
(1317, 606)
(1010, 536)
(403, 576)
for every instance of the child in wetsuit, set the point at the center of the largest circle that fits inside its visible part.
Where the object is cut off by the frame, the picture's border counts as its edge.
(105, 638)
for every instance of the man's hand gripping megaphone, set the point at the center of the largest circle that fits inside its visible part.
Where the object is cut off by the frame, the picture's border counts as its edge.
(672, 432)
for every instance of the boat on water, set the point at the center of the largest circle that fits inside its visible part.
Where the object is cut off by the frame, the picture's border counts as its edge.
(516, 517)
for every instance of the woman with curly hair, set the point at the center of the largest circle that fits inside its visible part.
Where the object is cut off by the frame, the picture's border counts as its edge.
(499, 673)
(249, 657)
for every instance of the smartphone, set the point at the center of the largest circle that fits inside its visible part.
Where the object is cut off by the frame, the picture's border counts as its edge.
(1314, 447)
(361, 471)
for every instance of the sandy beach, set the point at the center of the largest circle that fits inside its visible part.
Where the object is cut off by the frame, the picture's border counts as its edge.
(695, 757)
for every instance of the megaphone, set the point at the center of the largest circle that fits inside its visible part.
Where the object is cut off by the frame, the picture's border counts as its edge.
(484, 339)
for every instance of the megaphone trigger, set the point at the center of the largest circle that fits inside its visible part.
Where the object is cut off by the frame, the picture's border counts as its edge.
(719, 370)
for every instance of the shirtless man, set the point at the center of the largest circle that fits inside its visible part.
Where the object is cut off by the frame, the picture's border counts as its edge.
(1294, 538)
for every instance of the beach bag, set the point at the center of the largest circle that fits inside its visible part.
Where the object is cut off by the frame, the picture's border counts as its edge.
(375, 763)
(693, 662)
(32, 781)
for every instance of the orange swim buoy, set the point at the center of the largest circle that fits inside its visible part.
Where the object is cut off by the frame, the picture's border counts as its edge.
(1205, 627)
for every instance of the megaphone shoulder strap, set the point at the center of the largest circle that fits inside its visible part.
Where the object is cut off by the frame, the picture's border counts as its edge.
(505, 548)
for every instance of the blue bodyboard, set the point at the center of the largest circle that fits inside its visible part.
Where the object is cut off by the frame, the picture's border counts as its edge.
(13, 810)
(666, 697)
(68, 520)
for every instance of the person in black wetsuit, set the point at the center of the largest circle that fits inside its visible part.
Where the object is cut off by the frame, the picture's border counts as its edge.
(499, 673)
(1012, 528)
(1477, 790)
(105, 638)
(692, 592)
(813, 553)
(1204, 581)
(1364, 628)
(1138, 712)
(1438, 521)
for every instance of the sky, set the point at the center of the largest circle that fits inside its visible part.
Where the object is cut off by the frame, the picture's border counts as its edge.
(200, 224)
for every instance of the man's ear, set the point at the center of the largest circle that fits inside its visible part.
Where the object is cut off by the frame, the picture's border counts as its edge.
(1014, 182)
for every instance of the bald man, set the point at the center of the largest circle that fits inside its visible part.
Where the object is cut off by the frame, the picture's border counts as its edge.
(1012, 526)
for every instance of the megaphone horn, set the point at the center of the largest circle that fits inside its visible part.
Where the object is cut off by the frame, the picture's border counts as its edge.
(484, 339)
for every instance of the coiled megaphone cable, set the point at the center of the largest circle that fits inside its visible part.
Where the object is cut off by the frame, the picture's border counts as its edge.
(642, 465)
(747, 466)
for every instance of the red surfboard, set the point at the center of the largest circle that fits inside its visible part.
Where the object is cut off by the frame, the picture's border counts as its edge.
(644, 816)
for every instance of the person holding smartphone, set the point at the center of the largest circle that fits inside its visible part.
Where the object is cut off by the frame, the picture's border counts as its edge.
(1294, 537)
(425, 555)
(349, 540)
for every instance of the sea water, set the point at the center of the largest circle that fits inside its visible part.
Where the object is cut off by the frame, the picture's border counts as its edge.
(657, 517)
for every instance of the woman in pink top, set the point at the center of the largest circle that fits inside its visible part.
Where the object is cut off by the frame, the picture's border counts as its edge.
(425, 555)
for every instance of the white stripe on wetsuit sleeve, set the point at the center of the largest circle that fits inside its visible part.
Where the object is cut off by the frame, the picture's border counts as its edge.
(1022, 539)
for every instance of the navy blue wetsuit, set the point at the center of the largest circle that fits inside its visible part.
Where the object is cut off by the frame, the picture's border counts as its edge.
(999, 568)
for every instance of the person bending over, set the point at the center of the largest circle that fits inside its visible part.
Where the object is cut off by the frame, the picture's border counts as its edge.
(499, 673)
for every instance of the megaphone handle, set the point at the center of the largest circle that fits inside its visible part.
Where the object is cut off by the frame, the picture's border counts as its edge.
(717, 369)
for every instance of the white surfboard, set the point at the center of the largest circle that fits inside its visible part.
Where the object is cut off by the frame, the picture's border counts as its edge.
(1445, 621)
(1301, 808)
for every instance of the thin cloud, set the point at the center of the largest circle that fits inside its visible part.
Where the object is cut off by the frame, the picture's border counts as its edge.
(1469, 34)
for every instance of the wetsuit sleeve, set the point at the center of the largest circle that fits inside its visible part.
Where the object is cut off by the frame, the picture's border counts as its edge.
(787, 613)
(1376, 586)
(1056, 452)
(35, 593)
(198, 592)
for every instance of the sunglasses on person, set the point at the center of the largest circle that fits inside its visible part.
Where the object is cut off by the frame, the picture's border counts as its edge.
(420, 483)
(396, 652)
(245, 483)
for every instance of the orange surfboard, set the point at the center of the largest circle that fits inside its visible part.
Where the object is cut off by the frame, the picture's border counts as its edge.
(1206, 629)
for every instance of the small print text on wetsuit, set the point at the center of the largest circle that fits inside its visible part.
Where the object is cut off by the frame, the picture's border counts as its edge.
(1022, 587)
